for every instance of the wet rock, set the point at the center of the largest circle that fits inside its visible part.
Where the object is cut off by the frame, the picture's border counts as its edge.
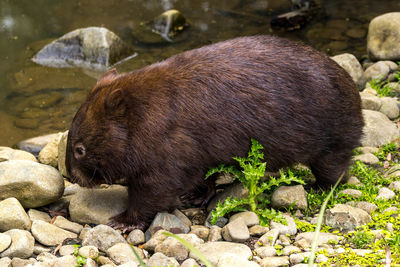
(389, 107)
(258, 230)
(200, 231)
(385, 193)
(274, 261)
(353, 67)
(213, 251)
(5, 242)
(38, 215)
(384, 37)
(248, 217)
(93, 47)
(49, 234)
(167, 222)
(232, 260)
(236, 231)
(378, 129)
(7, 153)
(62, 148)
(235, 190)
(159, 259)
(171, 247)
(22, 243)
(98, 205)
(122, 253)
(350, 192)
(370, 102)
(265, 251)
(367, 206)
(33, 184)
(49, 154)
(380, 70)
(285, 196)
(215, 234)
(13, 215)
(63, 223)
(103, 237)
(345, 217)
(135, 237)
(323, 238)
(289, 229)
(268, 239)
(169, 24)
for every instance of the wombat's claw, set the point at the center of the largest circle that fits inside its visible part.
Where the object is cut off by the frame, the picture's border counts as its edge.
(124, 227)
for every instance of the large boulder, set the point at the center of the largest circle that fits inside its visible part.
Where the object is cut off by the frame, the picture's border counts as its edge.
(383, 40)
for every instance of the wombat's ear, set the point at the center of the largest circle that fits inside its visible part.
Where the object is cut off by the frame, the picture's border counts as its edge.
(114, 101)
(108, 77)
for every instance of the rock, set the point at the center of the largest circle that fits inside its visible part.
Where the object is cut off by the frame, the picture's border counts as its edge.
(33, 184)
(39, 248)
(235, 190)
(106, 261)
(236, 231)
(103, 237)
(258, 230)
(367, 206)
(49, 154)
(155, 240)
(62, 150)
(22, 243)
(303, 244)
(265, 251)
(45, 256)
(268, 239)
(370, 102)
(13, 215)
(63, 223)
(38, 215)
(384, 37)
(93, 48)
(200, 231)
(389, 107)
(353, 180)
(171, 247)
(323, 238)
(66, 261)
(224, 178)
(5, 242)
(249, 218)
(378, 129)
(284, 240)
(350, 192)
(91, 263)
(385, 193)
(221, 221)
(16, 262)
(275, 261)
(215, 234)
(135, 237)
(167, 222)
(367, 158)
(353, 67)
(5, 262)
(231, 260)
(182, 217)
(390, 209)
(285, 196)
(159, 259)
(122, 253)
(190, 263)
(49, 234)
(66, 250)
(380, 70)
(299, 257)
(289, 229)
(34, 145)
(290, 250)
(213, 251)
(98, 205)
(345, 217)
(395, 186)
(7, 153)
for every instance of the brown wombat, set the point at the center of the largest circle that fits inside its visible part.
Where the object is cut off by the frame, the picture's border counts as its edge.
(163, 126)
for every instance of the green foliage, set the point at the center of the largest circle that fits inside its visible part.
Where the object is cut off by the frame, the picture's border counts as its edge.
(381, 87)
(362, 239)
(251, 176)
(384, 151)
(80, 260)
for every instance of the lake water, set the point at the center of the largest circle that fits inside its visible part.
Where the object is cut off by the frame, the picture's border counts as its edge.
(36, 100)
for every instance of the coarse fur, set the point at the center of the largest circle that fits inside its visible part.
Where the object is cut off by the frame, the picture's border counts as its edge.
(163, 126)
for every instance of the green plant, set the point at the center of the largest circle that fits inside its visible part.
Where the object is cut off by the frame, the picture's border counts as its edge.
(381, 87)
(384, 151)
(253, 170)
(80, 260)
(362, 239)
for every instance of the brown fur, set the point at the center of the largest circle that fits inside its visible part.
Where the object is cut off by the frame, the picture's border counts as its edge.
(162, 127)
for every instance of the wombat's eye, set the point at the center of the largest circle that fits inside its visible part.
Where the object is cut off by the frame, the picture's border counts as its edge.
(79, 151)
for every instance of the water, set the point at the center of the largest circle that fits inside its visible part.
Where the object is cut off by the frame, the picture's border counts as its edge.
(36, 100)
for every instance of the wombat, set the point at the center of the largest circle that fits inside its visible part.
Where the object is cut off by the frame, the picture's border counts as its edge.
(163, 126)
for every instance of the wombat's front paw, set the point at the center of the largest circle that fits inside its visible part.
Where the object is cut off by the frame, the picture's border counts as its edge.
(119, 222)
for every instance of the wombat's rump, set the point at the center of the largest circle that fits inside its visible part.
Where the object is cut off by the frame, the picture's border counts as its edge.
(162, 127)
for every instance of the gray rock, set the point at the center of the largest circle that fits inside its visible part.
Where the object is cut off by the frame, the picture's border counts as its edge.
(215, 234)
(274, 261)
(224, 178)
(17, 262)
(367, 158)
(65, 224)
(35, 144)
(89, 252)
(103, 237)
(370, 102)
(39, 248)
(38, 215)
(190, 263)
(122, 253)
(105, 261)
(378, 129)
(5, 262)
(236, 231)
(265, 251)
(66, 250)
(155, 240)
(5, 242)
(395, 186)
(33, 184)
(221, 221)
(182, 217)
(345, 217)
(323, 238)
(370, 90)
(45, 256)
(13, 215)
(289, 229)
(234, 190)
(299, 257)
(49, 154)
(49, 234)
(303, 244)
(249, 218)
(62, 150)
(390, 209)
(135, 237)
(385, 193)
(258, 230)
(98, 205)
(171, 247)
(268, 239)
(285, 196)
(159, 259)
(380, 70)
(350, 192)
(367, 206)
(389, 107)
(66, 261)
(93, 48)
(213, 251)
(200, 231)
(384, 37)
(353, 67)
(7, 153)
(231, 260)
(167, 222)
(290, 250)
(22, 243)
(353, 180)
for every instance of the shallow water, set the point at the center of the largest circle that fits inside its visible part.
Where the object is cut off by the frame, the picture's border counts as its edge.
(37, 100)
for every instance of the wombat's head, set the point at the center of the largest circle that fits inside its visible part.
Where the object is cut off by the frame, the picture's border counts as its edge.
(97, 139)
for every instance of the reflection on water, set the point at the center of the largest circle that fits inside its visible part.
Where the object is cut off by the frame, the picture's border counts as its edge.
(37, 100)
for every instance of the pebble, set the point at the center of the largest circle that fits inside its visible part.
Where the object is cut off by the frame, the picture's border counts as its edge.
(5, 242)
(268, 239)
(248, 217)
(190, 263)
(286, 196)
(89, 252)
(135, 237)
(22, 243)
(350, 192)
(275, 261)
(289, 229)
(67, 250)
(159, 259)
(232, 260)
(122, 253)
(265, 251)
(171, 247)
(290, 249)
(236, 231)
(65, 224)
(201, 231)
(103, 237)
(167, 222)
(215, 234)
(13, 215)
(395, 186)
(385, 193)
(49, 234)
(367, 206)
(7, 153)
(345, 217)
(38, 215)
(367, 158)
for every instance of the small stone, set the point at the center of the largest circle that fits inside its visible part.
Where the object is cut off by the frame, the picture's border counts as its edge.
(221, 221)
(290, 250)
(289, 229)
(67, 225)
(362, 252)
(201, 231)
(274, 261)
(265, 251)
(5, 262)
(13, 215)
(38, 215)
(323, 238)
(49, 234)
(159, 259)
(106, 261)
(215, 234)
(135, 237)
(45, 256)
(367, 158)
(231, 260)
(302, 244)
(171, 247)
(385, 193)
(49, 154)
(67, 261)
(122, 253)
(370, 102)
(353, 67)
(84, 232)
(167, 222)
(35, 144)
(389, 107)
(62, 149)
(346, 217)
(249, 218)
(268, 239)
(353, 180)
(390, 209)
(7, 153)
(389, 227)
(182, 217)
(378, 129)
(155, 240)
(89, 252)
(370, 91)
(236, 231)
(22, 243)
(67, 250)
(367, 206)
(5, 242)
(224, 178)
(190, 263)
(103, 237)
(299, 257)
(350, 192)
(16, 262)
(91, 263)
(285, 240)
(285, 196)
(379, 70)
(395, 186)
(258, 230)
(39, 248)
(235, 190)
